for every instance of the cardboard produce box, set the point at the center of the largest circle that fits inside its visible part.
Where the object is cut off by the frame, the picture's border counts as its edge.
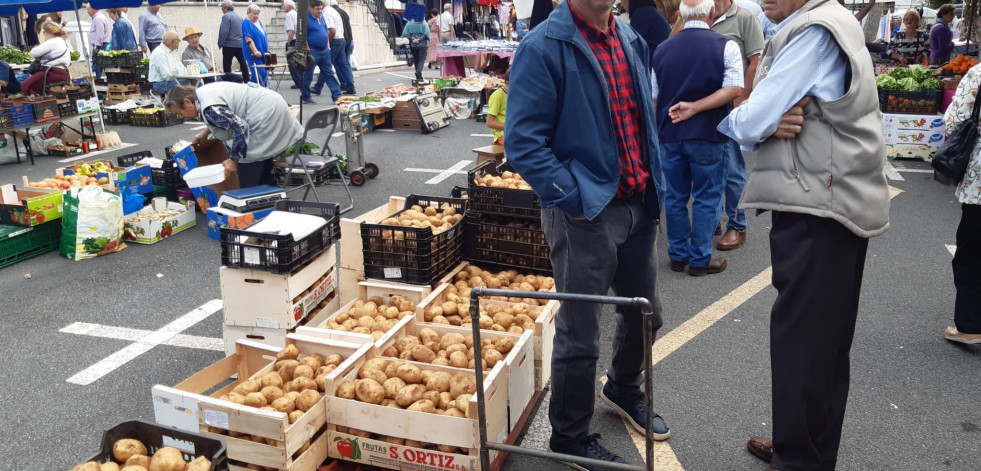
(144, 228)
(210, 153)
(932, 123)
(927, 138)
(910, 151)
(30, 206)
(137, 179)
(224, 217)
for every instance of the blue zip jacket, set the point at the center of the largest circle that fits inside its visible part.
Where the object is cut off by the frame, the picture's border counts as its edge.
(559, 134)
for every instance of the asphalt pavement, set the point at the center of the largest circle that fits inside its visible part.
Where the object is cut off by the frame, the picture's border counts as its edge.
(913, 405)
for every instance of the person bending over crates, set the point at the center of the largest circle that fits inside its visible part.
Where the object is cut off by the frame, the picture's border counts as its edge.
(255, 120)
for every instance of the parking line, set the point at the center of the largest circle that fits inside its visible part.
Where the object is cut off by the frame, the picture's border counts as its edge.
(134, 335)
(145, 344)
(448, 172)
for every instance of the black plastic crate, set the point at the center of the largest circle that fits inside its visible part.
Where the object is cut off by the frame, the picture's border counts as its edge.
(67, 109)
(922, 102)
(114, 117)
(413, 254)
(45, 109)
(123, 77)
(168, 175)
(281, 254)
(319, 176)
(155, 437)
(160, 119)
(512, 242)
(500, 201)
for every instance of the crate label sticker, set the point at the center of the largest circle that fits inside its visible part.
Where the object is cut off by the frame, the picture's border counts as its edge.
(266, 323)
(325, 287)
(378, 453)
(216, 419)
(393, 272)
(450, 234)
(251, 255)
(183, 445)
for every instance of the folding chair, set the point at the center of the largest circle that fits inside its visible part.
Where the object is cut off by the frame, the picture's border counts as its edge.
(323, 119)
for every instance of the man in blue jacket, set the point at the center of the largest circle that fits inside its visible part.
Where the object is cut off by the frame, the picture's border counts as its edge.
(581, 132)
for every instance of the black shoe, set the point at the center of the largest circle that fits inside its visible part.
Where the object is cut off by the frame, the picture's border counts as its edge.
(315, 92)
(351, 92)
(309, 102)
(630, 406)
(294, 87)
(586, 447)
(678, 265)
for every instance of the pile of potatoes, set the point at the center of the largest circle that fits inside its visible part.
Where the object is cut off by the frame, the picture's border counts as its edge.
(132, 455)
(452, 349)
(373, 316)
(514, 318)
(439, 218)
(402, 385)
(293, 389)
(507, 179)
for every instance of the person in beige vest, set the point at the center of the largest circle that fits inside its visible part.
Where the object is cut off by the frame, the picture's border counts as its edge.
(814, 123)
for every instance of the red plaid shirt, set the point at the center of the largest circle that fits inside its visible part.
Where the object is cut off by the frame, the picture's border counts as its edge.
(624, 109)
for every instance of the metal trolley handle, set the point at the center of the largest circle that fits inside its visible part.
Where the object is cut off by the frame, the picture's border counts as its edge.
(646, 310)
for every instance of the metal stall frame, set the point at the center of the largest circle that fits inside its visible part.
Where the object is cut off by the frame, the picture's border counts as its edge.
(647, 311)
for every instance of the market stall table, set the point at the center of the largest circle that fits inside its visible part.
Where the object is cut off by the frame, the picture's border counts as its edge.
(27, 128)
(453, 57)
(199, 78)
(270, 71)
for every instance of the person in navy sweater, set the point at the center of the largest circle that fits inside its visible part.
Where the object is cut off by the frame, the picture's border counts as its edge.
(695, 77)
(647, 21)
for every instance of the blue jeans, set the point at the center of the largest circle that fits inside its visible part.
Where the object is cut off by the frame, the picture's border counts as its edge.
(322, 59)
(695, 171)
(618, 247)
(735, 182)
(338, 55)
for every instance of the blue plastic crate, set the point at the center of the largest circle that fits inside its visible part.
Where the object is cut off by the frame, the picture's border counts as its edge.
(22, 114)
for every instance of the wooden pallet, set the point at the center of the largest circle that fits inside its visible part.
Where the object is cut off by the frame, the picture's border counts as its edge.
(123, 88)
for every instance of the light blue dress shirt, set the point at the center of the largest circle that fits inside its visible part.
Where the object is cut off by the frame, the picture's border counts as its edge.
(811, 64)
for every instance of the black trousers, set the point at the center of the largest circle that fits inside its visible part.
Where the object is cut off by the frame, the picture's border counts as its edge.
(256, 173)
(419, 59)
(151, 45)
(817, 271)
(967, 271)
(229, 53)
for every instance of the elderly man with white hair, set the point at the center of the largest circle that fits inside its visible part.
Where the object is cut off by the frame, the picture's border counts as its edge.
(230, 40)
(447, 30)
(165, 63)
(696, 75)
(289, 24)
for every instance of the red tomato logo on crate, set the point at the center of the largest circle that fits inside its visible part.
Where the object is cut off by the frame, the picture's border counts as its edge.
(348, 448)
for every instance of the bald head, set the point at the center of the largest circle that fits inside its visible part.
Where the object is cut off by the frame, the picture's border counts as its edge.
(171, 40)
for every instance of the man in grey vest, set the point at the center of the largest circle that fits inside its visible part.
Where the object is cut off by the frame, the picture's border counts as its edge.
(818, 168)
(256, 120)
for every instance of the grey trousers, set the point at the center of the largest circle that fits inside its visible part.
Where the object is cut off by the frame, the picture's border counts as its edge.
(616, 250)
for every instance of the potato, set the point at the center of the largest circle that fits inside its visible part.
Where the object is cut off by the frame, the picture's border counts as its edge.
(255, 400)
(372, 373)
(409, 373)
(295, 415)
(503, 319)
(321, 382)
(284, 405)
(167, 459)
(335, 359)
(292, 395)
(123, 449)
(504, 344)
(423, 405)
(449, 308)
(458, 360)
(303, 371)
(302, 383)
(392, 386)
(451, 339)
(89, 466)
(199, 464)
(248, 386)
(133, 468)
(313, 360)
(441, 362)
(432, 396)
(368, 390)
(432, 312)
(307, 399)
(391, 352)
(454, 412)
(394, 440)
(391, 403)
(409, 394)
(440, 320)
(423, 354)
(288, 353)
(462, 403)
(462, 383)
(406, 355)
(457, 347)
(447, 449)
(376, 363)
(407, 343)
(425, 376)
(286, 371)
(110, 466)
(439, 381)
(359, 433)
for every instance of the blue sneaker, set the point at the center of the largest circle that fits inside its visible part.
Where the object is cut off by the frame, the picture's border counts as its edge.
(586, 447)
(630, 405)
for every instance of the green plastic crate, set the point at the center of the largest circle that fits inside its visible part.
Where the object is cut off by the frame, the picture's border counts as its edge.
(21, 243)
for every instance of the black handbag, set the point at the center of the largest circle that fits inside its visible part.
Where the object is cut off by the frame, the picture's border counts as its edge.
(951, 159)
(34, 68)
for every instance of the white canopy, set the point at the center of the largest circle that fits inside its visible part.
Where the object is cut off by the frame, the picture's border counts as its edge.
(928, 14)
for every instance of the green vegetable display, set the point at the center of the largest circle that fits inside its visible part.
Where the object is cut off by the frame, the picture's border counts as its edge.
(13, 55)
(914, 78)
(75, 55)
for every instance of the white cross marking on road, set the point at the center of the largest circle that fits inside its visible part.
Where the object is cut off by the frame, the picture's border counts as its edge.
(891, 172)
(951, 248)
(145, 344)
(457, 168)
(135, 335)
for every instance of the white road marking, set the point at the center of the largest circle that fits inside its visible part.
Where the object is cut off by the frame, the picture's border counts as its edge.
(915, 170)
(401, 76)
(97, 152)
(145, 344)
(432, 170)
(135, 335)
(384, 130)
(193, 122)
(448, 172)
(337, 134)
(481, 135)
(198, 128)
(891, 172)
(951, 248)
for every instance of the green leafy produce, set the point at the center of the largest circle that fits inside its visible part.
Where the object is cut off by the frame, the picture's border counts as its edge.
(13, 55)
(887, 82)
(307, 148)
(911, 79)
(75, 55)
(909, 84)
(931, 84)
